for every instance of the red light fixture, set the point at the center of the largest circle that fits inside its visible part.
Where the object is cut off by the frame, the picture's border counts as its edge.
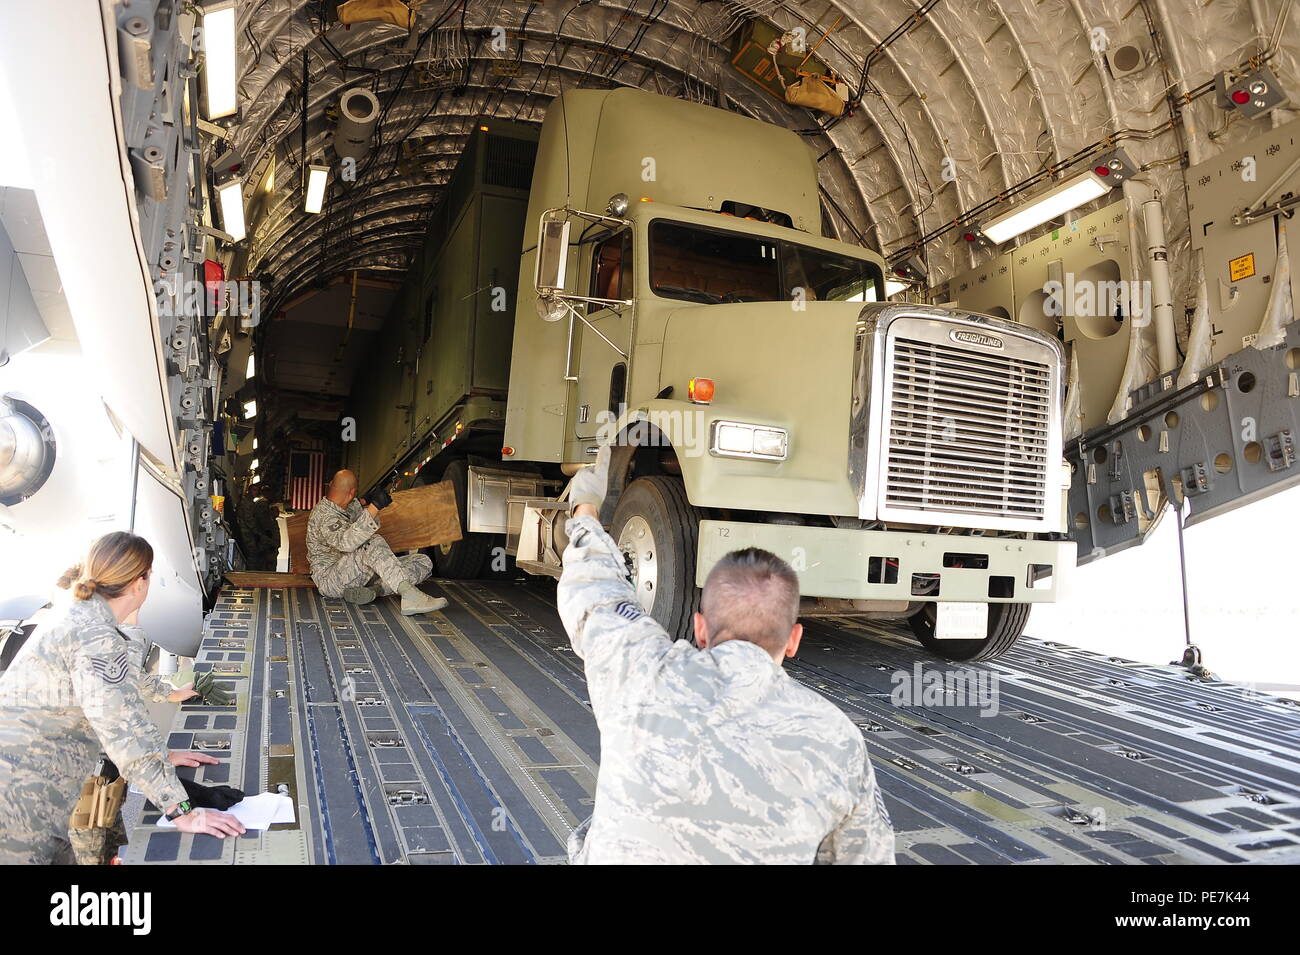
(1240, 97)
(214, 280)
(700, 390)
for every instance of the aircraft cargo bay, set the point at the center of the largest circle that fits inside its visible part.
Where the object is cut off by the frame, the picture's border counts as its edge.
(650, 432)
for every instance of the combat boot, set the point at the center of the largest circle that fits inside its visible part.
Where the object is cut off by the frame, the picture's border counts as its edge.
(415, 600)
(358, 595)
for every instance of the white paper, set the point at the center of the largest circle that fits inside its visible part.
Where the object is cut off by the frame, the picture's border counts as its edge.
(255, 812)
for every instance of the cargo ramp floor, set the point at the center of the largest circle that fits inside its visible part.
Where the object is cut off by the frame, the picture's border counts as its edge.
(466, 737)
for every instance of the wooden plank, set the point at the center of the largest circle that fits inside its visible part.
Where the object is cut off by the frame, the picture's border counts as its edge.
(421, 517)
(264, 578)
(296, 525)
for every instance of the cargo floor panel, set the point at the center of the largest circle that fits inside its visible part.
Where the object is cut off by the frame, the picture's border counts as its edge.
(466, 737)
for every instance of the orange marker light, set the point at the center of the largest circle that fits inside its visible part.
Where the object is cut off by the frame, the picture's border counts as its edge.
(507, 452)
(646, 199)
(700, 390)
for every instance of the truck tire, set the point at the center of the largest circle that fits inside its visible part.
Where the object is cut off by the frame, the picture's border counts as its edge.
(658, 530)
(462, 559)
(1006, 624)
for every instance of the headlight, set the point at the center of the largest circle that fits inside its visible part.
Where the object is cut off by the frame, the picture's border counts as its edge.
(736, 440)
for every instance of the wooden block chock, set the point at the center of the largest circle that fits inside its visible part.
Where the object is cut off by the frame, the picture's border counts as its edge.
(421, 517)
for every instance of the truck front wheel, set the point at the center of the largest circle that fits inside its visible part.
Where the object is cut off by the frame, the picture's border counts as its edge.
(462, 559)
(658, 531)
(1006, 624)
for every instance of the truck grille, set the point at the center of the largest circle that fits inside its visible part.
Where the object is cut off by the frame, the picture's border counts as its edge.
(968, 432)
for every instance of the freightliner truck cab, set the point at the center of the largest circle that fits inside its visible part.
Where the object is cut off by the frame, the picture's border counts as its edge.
(676, 299)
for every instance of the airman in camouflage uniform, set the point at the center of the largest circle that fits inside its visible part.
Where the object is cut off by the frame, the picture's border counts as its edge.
(72, 692)
(707, 756)
(346, 553)
(98, 846)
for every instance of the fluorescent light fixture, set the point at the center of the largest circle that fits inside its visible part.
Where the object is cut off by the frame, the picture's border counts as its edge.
(255, 480)
(250, 409)
(231, 197)
(220, 66)
(253, 466)
(250, 369)
(254, 444)
(1055, 202)
(317, 178)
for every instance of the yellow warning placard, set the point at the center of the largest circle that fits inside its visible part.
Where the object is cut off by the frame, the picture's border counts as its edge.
(1242, 267)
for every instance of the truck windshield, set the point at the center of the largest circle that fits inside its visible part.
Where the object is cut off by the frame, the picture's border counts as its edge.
(697, 264)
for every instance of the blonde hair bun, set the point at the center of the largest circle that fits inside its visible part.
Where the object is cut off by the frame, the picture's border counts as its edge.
(114, 562)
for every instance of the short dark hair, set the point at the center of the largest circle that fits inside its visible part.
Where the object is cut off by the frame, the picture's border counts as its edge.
(752, 595)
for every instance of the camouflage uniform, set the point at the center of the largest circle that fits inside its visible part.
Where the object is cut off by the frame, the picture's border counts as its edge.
(154, 688)
(71, 693)
(344, 550)
(98, 846)
(713, 756)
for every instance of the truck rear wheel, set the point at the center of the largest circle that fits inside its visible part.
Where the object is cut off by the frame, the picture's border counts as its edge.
(462, 559)
(658, 531)
(1006, 624)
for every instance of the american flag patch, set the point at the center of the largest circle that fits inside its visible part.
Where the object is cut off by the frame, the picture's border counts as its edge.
(629, 611)
(111, 671)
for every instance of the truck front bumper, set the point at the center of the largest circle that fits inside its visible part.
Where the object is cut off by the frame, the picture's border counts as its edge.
(879, 565)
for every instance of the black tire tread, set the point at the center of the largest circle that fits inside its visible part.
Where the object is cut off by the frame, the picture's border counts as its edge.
(469, 554)
(685, 520)
(1003, 634)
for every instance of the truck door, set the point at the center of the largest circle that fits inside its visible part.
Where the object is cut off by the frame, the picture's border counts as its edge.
(602, 373)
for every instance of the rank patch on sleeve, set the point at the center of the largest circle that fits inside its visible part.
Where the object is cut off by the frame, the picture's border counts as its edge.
(629, 611)
(111, 671)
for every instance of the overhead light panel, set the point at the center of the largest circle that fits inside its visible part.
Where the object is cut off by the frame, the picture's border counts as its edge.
(251, 368)
(1055, 202)
(220, 65)
(317, 178)
(230, 195)
(250, 409)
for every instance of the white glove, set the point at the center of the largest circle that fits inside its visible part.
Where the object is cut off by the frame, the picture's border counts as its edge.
(590, 485)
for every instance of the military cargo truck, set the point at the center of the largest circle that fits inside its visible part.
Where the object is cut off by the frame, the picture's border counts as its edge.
(651, 272)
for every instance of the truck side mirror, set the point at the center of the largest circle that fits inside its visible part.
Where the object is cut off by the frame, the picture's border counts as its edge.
(552, 256)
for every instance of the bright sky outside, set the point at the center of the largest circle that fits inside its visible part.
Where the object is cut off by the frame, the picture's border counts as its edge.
(1243, 595)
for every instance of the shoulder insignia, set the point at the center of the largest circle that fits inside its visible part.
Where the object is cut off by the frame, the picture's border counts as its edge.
(111, 671)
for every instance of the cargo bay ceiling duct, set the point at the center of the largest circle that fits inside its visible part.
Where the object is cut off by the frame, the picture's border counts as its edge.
(955, 105)
(358, 116)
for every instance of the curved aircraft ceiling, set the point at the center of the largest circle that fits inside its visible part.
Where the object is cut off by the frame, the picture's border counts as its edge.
(961, 103)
